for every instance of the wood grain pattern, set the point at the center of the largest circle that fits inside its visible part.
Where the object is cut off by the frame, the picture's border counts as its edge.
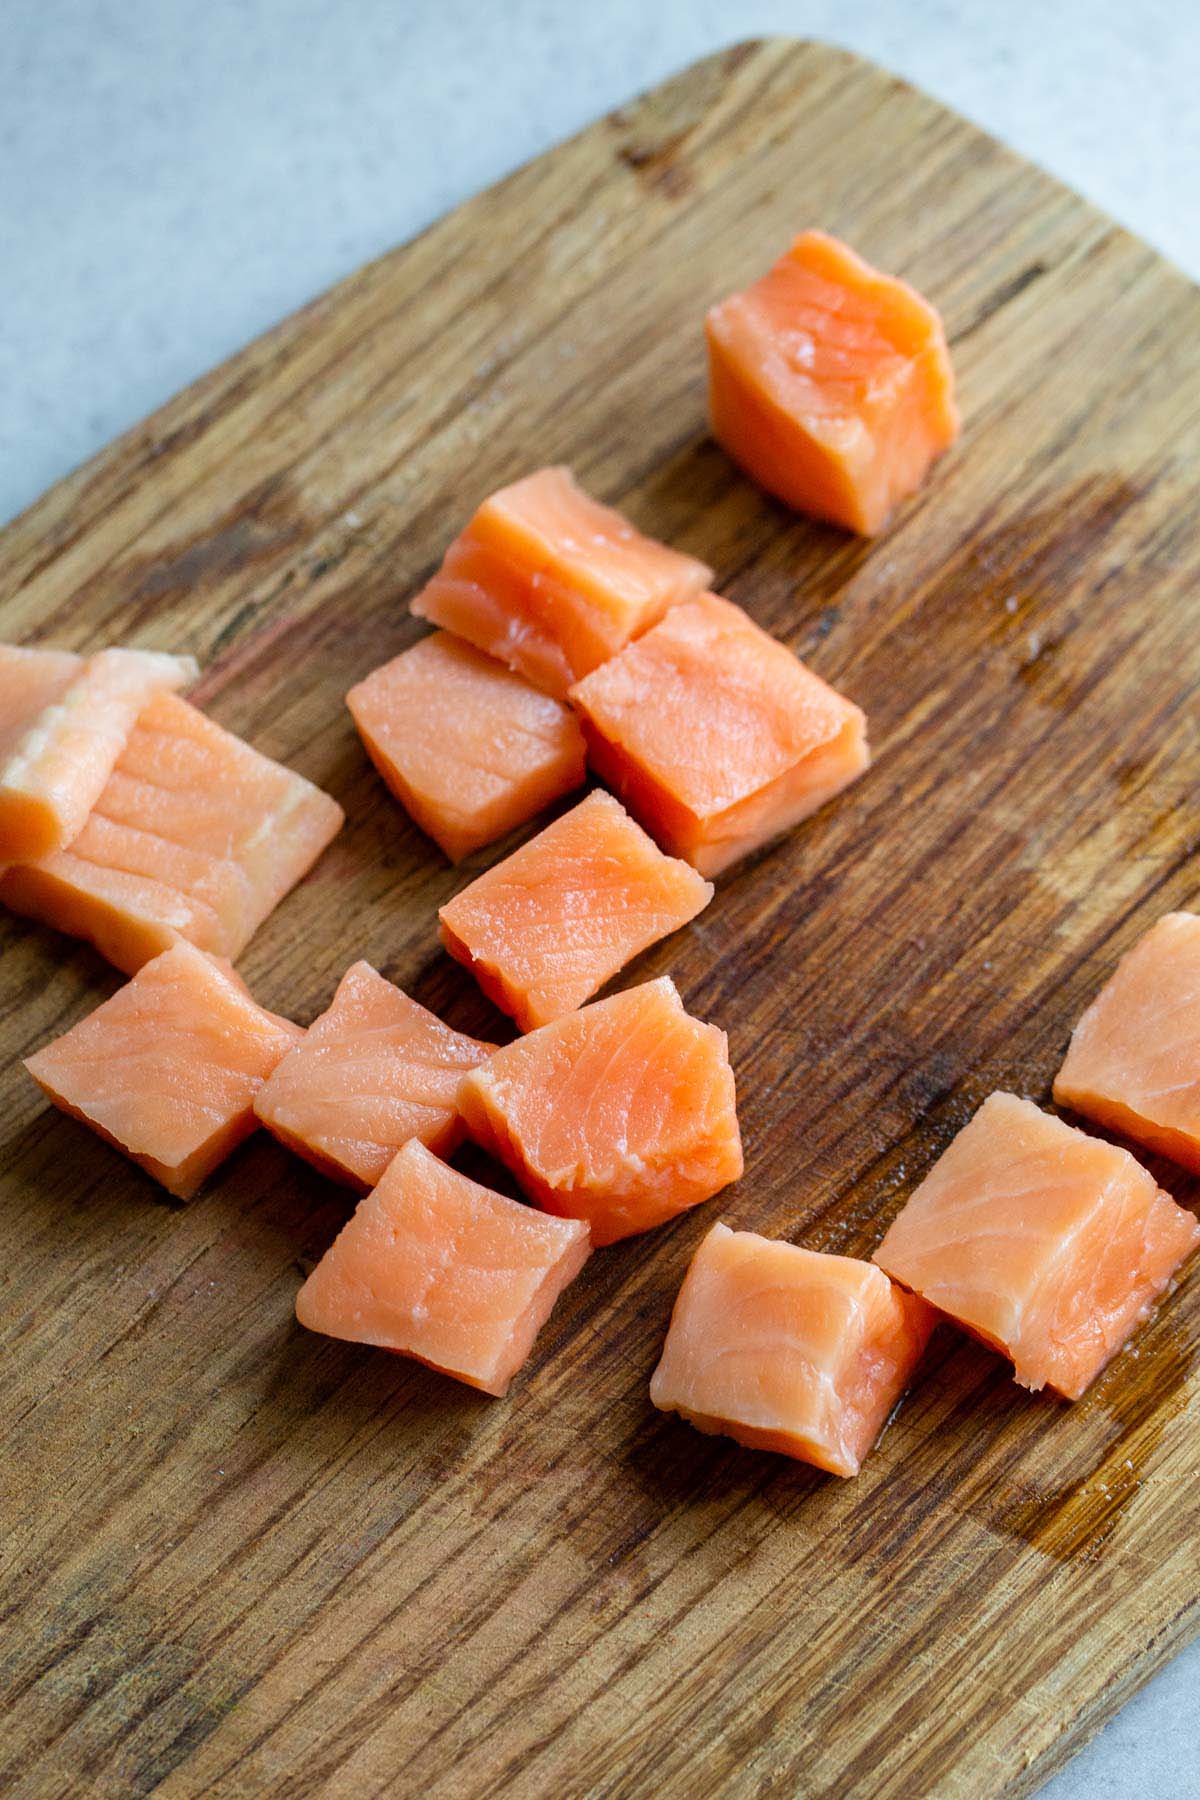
(244, 1560)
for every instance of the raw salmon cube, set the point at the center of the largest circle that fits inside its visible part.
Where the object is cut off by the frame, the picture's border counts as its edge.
(69, 721)
(831, 384)
(553, 583)
(467, 747)
(373, 1071)
(1134, 1060)
(542, 930)
(1046, 1243)
(788, 1349)
(621, 1114)
(168, 1069)
(715, 736)
(440, 1269)
(195, 836)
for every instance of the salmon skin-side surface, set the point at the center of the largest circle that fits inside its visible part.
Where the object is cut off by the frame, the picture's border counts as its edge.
(373, 1071)
(168, 1069)
(788, 1349)
(1134, 1059)
(470, 749)
(553, 583)
(831, 384)
(195, 836)
(64, 721)
(544, 929)
(1048, 1244)
(622, 1114)
(436, 1267)
(716, 736)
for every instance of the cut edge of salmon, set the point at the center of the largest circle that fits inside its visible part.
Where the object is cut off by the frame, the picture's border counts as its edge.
(1168, 1234)
(519, 593)
(457, 834)
(823, 470)
(183, 1178)
(882, 1365)
(687, 1169)
(531, 1004)
(53, 775)
(329, 1289)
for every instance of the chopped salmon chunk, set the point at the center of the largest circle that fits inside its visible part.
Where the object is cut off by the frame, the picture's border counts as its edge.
(552, 583)
(195, 836)
(61, 736)
(621, 1114)
(469, 749)
(373, 1071)
(442, 1270)
(831, 384)
(1134, 1060)
(1046, 1243)
(168, 1069)
(715, 735)
(542, 930)
(788, 1349)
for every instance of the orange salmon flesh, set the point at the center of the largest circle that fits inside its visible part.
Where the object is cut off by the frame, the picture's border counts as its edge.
(552, 583)
(469, 749)
(437, 1268)
(1046, 1243)
(542, 930)
(831, 384)
(64, 721)
(1134, 1060)
(788, 1349)
(168, 1069)
(373, 1071)
(195, 836)
(716, 736)
(621, 1114)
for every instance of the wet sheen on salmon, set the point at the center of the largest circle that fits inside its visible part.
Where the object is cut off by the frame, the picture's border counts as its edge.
(788, 1349)
(439, 1269)
(168, 1069)
(716, 736)
(544, 929)
(195, 836)
(621, 1114)
(1134, 1059)
(64, 721)
(552, 583)
(831, 384)
(373, 1071)
(469, 749)
(1046, 1243)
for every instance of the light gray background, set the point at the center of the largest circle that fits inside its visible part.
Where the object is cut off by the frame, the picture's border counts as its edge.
(177, 174)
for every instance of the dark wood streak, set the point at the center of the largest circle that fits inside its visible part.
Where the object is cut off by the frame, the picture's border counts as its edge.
(240, 1559)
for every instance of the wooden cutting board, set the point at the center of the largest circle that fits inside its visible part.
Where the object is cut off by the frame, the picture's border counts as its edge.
(245, 1560)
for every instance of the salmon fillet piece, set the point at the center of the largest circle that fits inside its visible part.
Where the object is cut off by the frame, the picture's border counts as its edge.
(1048, 1244)
(64, 721)
(787, 1349)
(469, 749)
(621, 1114)
(544, 929)
(831, 384)
(716, 736)
(1134, 1060)
(195, 836)
(552, 583)
(444, 1271)
(168, 1069)
(373, 1071)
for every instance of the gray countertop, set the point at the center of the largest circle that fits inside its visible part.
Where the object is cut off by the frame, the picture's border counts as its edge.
(174, 177)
